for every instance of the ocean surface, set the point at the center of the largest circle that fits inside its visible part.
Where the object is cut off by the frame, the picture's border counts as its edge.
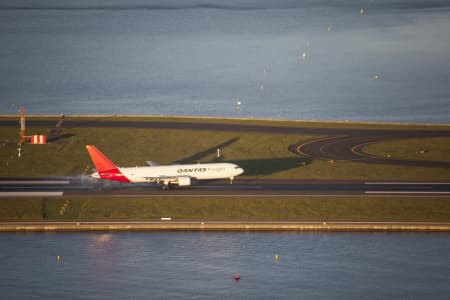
(189, 57)
(202, 265)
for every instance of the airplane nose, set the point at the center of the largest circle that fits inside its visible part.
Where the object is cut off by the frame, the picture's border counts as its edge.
(239, 171)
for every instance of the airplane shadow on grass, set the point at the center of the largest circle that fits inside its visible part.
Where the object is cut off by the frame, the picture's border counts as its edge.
(268, 166)
(200, 155)
(60, 137)
(252, 167)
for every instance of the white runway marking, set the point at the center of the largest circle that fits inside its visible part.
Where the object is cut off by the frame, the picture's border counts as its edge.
(31, 194)
(407, 192)
(405, 183)
(37, 182)
(367, 194)
(232, 195)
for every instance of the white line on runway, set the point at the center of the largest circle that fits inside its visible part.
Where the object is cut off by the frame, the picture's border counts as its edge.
(367, 194)
(232, 195)
(406, 183)
(407, 192)
(37, 182)
(31, 194)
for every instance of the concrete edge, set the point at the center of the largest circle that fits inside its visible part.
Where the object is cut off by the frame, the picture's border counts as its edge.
(218, 226)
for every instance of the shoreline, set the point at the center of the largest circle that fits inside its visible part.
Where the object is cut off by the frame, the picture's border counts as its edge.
(350, 122)
(81, 226)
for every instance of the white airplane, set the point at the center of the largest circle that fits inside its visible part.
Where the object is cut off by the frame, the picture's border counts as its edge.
(182, 175)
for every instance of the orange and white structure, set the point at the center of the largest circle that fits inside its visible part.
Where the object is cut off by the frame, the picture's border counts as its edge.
(36, 139)
(39, 139)
(22, 124)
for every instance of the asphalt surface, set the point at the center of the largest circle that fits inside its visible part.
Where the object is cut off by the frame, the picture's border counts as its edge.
(91, 188)
(351, 148)
(339, 144)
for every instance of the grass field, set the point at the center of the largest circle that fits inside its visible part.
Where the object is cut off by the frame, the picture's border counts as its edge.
(219, 209)
(437, 149)
(261, 155)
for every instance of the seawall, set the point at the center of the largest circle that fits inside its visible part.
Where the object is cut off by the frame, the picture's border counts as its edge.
(221, 226)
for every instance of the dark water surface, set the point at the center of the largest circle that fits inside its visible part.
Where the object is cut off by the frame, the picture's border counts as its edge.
(190, 57)
(146, 265)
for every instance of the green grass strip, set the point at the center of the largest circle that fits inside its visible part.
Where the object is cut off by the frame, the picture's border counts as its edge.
(239, 209)
(435, 149)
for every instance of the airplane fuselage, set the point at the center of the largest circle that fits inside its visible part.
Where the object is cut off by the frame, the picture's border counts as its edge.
(182, 175)
(194, 171)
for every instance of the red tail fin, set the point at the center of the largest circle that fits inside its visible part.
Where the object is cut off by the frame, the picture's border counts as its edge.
(106, 169)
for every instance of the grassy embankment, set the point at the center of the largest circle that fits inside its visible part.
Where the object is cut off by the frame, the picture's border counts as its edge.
(241, 209)
(261, 155)
(437, 149)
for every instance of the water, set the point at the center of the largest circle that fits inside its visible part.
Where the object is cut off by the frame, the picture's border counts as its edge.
(201, 57)
(149, 265)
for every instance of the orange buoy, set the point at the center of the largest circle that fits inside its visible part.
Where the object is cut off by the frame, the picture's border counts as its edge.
(236, 276)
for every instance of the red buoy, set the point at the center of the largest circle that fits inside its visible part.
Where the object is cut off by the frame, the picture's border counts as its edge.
(236, 276)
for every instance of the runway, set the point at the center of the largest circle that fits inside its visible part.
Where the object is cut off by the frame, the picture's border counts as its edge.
(89, 188)
(338, 144)
(86, 188)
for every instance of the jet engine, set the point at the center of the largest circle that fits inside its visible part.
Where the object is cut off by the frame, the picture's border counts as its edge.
(184, 181)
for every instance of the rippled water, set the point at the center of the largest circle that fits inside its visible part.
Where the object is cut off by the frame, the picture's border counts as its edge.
(201, 57)
(145, 265)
